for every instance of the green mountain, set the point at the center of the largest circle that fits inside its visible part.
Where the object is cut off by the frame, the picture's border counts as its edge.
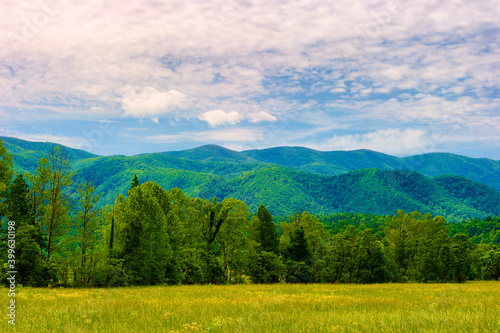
(331, 163)
(211, 153)
(325, 163)
(290, 179)
(27, 153)
(372, 191)
(483, 170)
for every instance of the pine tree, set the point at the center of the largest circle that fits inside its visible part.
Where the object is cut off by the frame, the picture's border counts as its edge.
(299, 258)
(5, 174)
(29, 263)
(267, 235)
(135, 182)
(298, 249)
(112, 236)
(19, 208)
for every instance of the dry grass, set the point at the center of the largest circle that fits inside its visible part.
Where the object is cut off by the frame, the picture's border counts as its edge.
(470, 307)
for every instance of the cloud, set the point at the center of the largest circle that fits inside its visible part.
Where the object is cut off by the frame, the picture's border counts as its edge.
(73, 142)
(261, 116)
(146, 102)
(391, 141)
(226, 135)
(246, 45)
(345, 60)
(218, 117)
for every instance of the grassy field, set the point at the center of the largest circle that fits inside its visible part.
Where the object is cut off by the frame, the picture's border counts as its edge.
(470, 307)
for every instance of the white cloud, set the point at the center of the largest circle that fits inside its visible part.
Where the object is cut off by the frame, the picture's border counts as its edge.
(95, 48)
(148, 101)
(230, 135)
(392, 141)
(225, 135)
(261, 116)
(394, 72)
(152, 59)
(218, 117)
(73, 142)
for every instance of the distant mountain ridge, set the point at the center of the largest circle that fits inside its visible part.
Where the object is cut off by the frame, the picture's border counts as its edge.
(289, 179)
(330, 163)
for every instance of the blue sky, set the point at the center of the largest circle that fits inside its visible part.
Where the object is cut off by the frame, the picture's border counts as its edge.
(399, 77)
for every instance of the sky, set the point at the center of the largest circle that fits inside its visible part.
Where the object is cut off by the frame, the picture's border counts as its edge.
(130, 77)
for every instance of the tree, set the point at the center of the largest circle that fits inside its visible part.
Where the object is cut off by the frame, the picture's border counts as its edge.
(491, 264)
(447, 259)
(342, 255)
(461, 248)
(398, 238)
(87, 227)
(213, 215)
(50, 190)
(29, 259)
(298, 249)
(18, 202)
(372, 265)
(232, 239)
(29, 264)
(135, 182)
(267, 235)
(38, 191)
(265, 267)
(314, 230)
(145, 247)
(299, 258)
(5, 174)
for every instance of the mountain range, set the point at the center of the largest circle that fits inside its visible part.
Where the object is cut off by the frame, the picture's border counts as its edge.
(291, 179)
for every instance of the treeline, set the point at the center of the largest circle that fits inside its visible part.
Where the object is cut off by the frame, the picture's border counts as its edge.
(479, 231)
(152, 236)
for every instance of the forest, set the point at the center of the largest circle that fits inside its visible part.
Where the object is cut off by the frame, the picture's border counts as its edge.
(66, 236)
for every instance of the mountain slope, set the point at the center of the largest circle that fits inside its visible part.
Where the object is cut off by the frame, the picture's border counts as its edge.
(486, 171)
(211, 153)
(326, 163)
(483, 170)
(363, 191)
(27, 153)
(276, 177)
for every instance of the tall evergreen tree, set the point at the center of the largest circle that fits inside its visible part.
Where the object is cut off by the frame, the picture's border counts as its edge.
(299, 258)
(112, 235)
(19, 208)
(135, 182)
(5, 174)
(298, 249)
(267, 235)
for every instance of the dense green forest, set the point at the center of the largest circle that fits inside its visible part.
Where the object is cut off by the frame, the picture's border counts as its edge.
(65, 235)
(291, 179)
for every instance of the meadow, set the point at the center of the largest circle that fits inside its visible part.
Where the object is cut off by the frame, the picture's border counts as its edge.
(469, 307)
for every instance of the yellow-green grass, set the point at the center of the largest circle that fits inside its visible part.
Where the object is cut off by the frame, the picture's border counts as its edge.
(470, 307)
